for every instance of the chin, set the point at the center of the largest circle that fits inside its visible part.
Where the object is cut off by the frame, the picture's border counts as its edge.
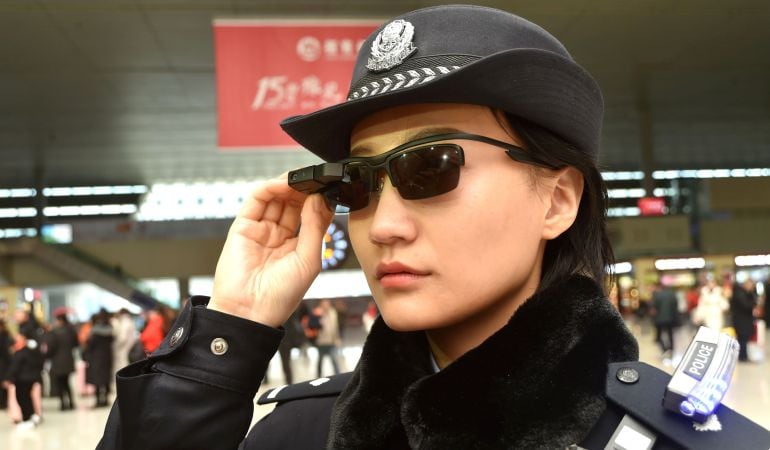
(403, 325)
(408, 321)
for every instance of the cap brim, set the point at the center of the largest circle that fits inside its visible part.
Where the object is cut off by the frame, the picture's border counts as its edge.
(540, 86)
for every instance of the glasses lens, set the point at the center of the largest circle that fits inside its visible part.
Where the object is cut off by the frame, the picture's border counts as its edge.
(353, 192)
(427, 171)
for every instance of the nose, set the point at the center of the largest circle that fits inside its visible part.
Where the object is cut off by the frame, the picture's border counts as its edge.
(392, 220)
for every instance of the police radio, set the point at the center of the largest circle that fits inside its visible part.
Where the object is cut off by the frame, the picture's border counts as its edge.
(701, 379)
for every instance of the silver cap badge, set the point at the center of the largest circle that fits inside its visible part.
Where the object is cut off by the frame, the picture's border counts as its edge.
(392, 46)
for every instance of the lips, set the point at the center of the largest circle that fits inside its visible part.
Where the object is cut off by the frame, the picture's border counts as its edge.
(397, 268)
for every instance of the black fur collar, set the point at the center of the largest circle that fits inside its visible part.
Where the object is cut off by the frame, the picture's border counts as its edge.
(536, 383)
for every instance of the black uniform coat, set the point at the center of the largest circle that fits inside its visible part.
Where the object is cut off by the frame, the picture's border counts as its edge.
(98, 355)
(742, 304)
(539, 382)
(61, 341)
(5, 354)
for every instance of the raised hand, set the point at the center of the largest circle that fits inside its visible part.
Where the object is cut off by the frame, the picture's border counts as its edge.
(265, 268)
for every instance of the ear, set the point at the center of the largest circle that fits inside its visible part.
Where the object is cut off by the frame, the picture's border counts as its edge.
(565, 201)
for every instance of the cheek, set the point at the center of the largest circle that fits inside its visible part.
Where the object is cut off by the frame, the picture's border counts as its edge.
(504, 204)
(358, 230)
(495, 228)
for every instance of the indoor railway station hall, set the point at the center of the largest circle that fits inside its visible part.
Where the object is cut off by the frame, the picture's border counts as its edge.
(274, 224)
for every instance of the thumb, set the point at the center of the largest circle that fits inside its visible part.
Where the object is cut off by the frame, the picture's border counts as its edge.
(316, 218)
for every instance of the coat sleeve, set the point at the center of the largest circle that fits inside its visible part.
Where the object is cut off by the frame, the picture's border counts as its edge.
(196, 390)
(51, 342)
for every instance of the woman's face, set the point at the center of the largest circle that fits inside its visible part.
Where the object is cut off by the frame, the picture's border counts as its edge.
(472, 254)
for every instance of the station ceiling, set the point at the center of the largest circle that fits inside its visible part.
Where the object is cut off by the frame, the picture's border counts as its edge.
(113, 92)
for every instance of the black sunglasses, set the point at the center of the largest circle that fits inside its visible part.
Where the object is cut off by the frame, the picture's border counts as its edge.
(419, 169)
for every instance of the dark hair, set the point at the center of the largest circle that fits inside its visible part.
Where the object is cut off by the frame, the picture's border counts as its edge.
(102, 317)
(63, 318)
(585, 247)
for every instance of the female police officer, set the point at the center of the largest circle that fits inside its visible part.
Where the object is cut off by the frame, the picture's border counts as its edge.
(466, 154)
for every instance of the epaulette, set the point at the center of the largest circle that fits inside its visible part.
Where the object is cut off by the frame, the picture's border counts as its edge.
(320, 387)
(638, 388)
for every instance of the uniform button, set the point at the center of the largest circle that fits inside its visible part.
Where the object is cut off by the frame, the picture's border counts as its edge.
(218, 346)
(627, 375)
(176, 336)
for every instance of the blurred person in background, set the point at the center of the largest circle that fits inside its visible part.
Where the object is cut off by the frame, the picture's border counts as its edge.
(341, 306)
(154, 330)
(369, 316)
(728, 281)
(302, 313)
(764, 314)
(328, 340)
(84, 331)
(6, 342)
(766, 304)
(692, 296)
(743, 302)
(310, 319)
(665, 316)
(98, 355)
(169, 317)
(124, 330)
(24, 372)
(30, 327)
(27, 324)
(294, 337)
(711, 308)
(62, 341)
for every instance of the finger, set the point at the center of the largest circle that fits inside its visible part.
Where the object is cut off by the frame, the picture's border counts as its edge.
(286, 214)
(316, 218)
(291, 216)
(274, 210)
(257, 202)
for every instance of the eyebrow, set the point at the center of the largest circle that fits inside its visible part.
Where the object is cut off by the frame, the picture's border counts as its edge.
(362, 150)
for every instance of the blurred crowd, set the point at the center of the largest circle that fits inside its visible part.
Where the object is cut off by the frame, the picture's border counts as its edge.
(321, 324)
(738, 308)
(40, 358)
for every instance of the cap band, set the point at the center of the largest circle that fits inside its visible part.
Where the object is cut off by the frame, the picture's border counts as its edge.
(414, 71)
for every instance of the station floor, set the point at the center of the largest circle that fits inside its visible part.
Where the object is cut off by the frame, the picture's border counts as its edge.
(82, 428)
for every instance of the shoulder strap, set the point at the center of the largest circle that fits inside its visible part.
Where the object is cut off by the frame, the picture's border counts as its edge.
(637, 389)
(320, 387)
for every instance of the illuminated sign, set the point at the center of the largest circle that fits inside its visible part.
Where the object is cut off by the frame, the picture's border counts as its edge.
(680, 263)
(652, 206)
(752, 260)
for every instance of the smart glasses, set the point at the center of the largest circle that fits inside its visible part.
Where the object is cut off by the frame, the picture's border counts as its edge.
(419, 169)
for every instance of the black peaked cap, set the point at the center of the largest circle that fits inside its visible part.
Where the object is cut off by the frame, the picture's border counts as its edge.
(462, 54)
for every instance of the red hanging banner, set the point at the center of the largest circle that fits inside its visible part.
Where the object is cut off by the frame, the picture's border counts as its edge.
(269, 70)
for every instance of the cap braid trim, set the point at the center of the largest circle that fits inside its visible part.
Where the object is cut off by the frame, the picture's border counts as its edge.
(400, 80)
